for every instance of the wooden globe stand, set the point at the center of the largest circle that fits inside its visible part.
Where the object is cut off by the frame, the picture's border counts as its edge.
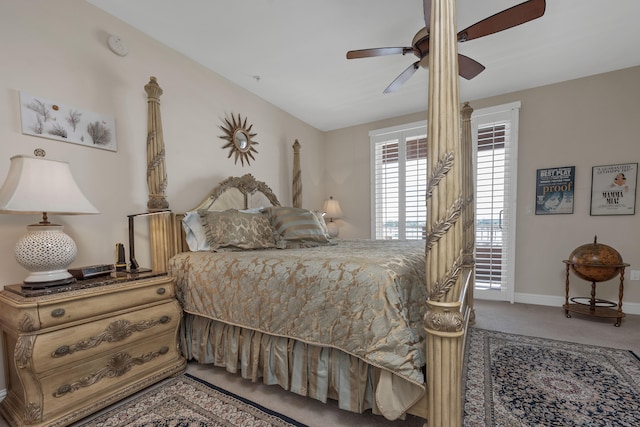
(593, 306)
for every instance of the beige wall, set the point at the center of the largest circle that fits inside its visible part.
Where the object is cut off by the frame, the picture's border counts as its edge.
(582, 123)
(57, 50)
(43, 54)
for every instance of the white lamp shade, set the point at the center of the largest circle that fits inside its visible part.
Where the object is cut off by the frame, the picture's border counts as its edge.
(331, 208)
(37, 185)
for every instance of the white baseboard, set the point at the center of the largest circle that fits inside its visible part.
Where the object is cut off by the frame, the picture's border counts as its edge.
(3, 394)
(557, 301)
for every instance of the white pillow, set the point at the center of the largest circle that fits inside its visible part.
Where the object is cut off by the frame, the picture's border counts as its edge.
(253, 210)
(195, 234)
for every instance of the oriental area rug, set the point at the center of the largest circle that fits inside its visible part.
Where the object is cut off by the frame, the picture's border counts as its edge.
(186, 401)
(515, 380)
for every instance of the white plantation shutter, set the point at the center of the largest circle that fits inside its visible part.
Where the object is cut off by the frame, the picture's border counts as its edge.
(490, 181)
(399, 168)
(398, 190)
(415, 187)
(495, 138)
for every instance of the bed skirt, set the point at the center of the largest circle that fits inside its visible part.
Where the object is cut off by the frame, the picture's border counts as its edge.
(318, 372)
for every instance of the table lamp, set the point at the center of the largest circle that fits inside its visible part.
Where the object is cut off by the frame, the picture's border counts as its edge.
(134, 267)
(332, 211)
(35, 185)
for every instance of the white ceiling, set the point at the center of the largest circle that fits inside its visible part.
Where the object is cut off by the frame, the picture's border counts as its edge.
(292, 52)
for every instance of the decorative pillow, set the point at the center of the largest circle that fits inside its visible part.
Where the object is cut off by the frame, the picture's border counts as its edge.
(235, 230)
(296, 227)
(323, 224)
(196, 236)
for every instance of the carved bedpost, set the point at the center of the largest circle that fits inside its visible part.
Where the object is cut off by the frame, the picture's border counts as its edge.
(297, 176)
(156, 172)
(161, 232)
(468, 212)
(444, 322)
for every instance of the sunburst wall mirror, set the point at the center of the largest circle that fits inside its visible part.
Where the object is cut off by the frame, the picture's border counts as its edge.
(239, 139)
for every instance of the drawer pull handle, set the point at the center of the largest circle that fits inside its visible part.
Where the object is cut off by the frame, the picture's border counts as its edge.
(58, 312)
(161, 291)
(61, 351)
(118, 365)
(116, 331)
(63, 389)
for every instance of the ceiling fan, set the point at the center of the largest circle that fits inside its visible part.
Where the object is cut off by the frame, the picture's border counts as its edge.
(467, 67)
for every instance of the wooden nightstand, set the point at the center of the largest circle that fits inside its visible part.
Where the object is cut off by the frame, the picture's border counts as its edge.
(68, 354)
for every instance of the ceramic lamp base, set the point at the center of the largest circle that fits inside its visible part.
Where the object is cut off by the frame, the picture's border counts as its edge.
(46, 252)
(332, 228)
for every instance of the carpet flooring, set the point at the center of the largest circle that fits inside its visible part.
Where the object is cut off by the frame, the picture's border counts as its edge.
(511, 380)
(517, 380)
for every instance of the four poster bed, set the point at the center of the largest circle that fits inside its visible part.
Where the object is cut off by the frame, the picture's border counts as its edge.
(329, 320)
(372, 324)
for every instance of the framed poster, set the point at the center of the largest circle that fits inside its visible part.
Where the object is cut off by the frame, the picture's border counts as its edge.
(613, 189)
(554, 190)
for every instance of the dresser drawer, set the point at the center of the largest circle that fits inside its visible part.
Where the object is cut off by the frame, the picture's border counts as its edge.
(67, 347)
(105, 300)
(108, 375)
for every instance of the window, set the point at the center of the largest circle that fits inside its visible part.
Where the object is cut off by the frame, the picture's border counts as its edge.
(399, 182)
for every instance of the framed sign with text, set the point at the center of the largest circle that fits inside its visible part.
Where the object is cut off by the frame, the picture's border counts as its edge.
(554, 190)
(613, 189)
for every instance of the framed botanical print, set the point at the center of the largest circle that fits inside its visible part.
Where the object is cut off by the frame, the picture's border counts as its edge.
(49, 119)
(613, 189)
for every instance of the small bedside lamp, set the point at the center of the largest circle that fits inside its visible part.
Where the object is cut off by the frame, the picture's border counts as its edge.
(332, 211)
(35, 185)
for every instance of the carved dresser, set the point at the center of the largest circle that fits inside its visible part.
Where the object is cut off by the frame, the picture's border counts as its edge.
(68, 354)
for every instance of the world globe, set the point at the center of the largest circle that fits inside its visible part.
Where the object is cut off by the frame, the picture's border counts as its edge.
(595, 261)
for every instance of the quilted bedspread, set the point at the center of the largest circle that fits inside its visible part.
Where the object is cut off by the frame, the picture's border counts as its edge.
(365, 297)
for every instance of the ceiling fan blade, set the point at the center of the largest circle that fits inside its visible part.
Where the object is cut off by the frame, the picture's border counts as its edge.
(403, 77)
(508, 18)
(468, 68)
(378, 51)
(427, 13)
